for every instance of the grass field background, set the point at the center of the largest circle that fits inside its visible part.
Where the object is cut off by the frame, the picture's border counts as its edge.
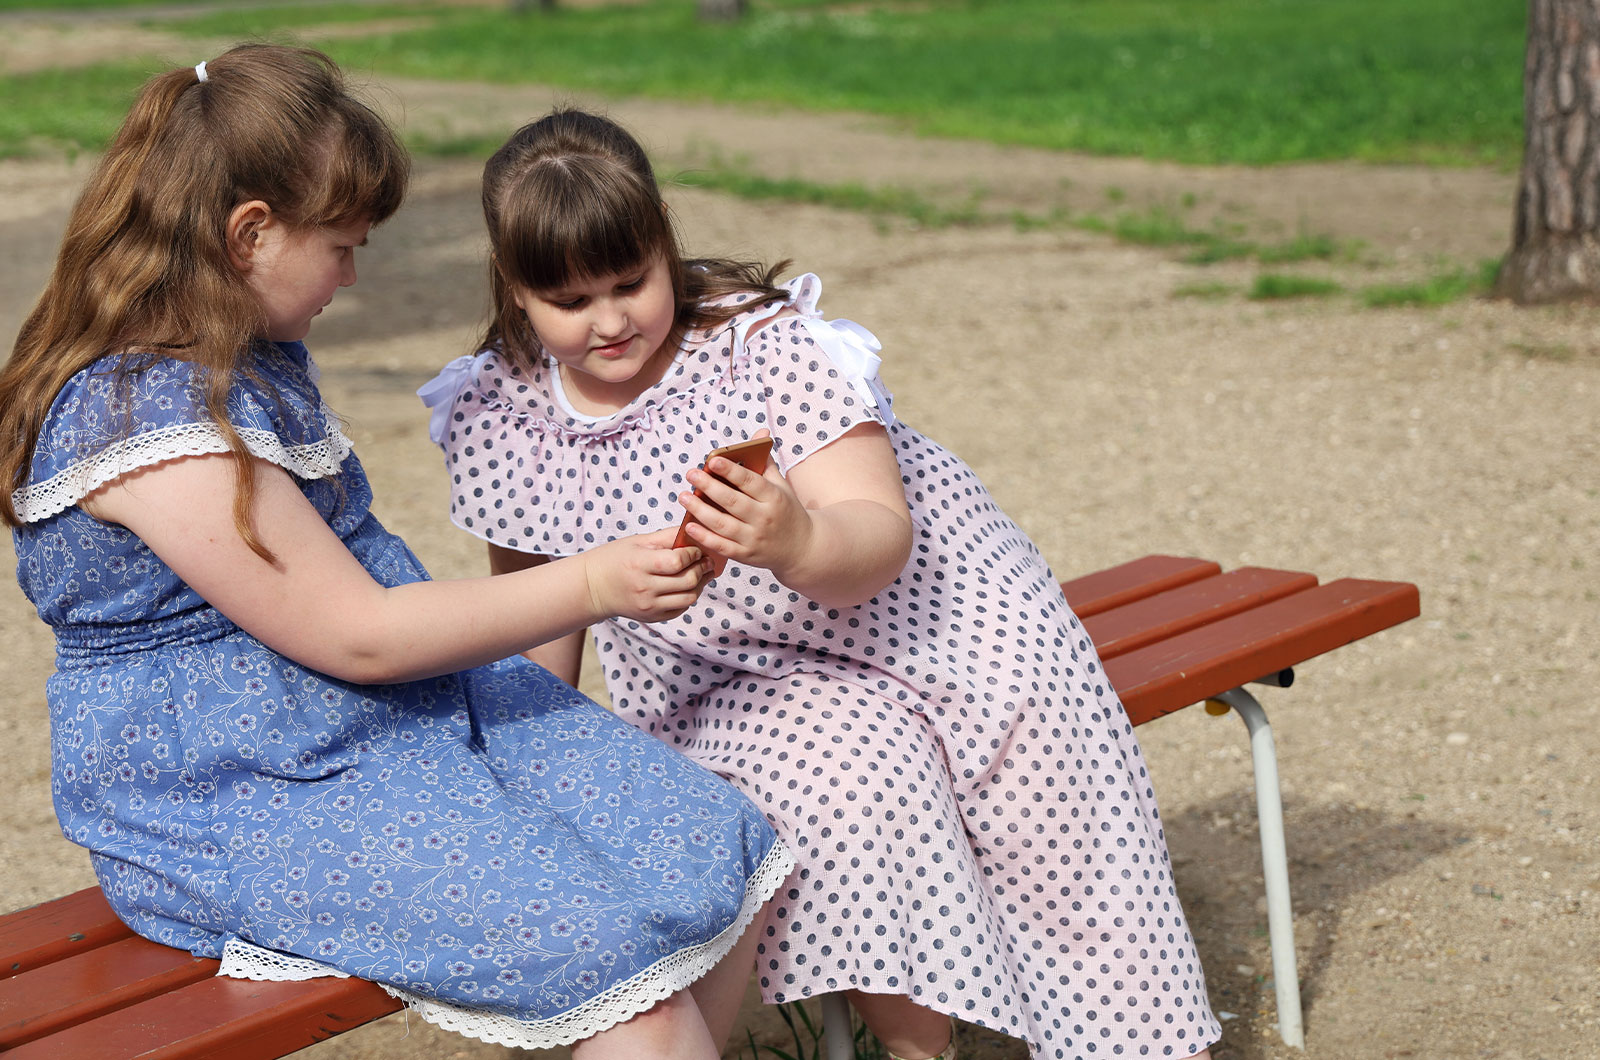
(1251, 82)
(1195, 81)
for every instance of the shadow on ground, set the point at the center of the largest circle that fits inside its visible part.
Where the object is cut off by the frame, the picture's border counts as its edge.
(1336, 853)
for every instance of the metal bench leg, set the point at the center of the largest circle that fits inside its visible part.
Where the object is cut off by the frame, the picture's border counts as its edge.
(1274, 863)
(837, 1035)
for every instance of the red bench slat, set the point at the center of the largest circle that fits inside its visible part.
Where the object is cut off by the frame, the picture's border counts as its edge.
(1124, 629)
(31, 938)
(1192, 666)
(220, 1019)
(76, 989)
(1134, 580)
(141, 995)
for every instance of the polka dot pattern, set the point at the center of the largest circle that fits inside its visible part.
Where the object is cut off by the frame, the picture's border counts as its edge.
(971, 814)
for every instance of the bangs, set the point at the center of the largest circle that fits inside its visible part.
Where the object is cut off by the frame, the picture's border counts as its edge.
(364, 173)
(578, 218)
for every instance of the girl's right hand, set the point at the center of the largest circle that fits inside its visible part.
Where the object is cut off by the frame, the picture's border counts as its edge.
(644, 578)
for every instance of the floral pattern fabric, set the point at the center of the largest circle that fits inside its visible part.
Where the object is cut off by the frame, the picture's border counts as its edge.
(490, 845)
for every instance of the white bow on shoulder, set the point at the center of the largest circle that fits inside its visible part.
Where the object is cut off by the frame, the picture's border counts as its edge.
(854, 353)
(852, 348)
(439, 393)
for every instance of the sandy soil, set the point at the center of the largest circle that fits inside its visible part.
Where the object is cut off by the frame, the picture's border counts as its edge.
(1439, 779)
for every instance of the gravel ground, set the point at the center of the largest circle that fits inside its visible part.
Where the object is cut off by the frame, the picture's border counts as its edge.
(1439, 779)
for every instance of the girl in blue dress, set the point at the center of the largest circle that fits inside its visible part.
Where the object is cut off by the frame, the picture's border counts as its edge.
(282, 744)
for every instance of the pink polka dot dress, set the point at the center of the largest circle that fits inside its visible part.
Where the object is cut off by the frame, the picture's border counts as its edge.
(972, 818)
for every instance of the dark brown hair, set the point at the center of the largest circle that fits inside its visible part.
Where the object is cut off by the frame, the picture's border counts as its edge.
(143, 266)
(572, 196)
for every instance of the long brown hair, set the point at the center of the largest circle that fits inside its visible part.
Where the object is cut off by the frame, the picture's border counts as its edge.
(144, 267)
(573, 196)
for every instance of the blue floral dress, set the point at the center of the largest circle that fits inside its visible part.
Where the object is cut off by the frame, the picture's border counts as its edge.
(490, 846)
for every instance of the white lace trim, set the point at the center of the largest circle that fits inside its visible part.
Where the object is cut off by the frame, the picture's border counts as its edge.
(242, 960)
(245, 960)
(41, 500)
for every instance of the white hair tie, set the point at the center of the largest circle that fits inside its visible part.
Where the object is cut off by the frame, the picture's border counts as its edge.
(200, 71)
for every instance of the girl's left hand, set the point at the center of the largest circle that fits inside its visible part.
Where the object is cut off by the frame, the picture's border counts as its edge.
(836, 529)
(761, 522)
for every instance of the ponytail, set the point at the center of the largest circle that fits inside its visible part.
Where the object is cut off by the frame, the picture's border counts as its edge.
(143, 267)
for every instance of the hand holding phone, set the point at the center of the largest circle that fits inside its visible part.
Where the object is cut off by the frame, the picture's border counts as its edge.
(752, 454)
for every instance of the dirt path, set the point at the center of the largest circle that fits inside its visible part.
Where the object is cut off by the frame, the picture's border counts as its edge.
(1440, 779)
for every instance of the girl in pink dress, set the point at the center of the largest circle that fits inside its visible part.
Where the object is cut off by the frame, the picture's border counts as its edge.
(885, 665)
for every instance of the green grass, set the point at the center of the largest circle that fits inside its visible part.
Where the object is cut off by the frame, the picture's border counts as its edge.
(1306, 246)
(1219, 248)
(1160, 226)
(883, 202)
(241, 20)
(1194, 81)
(74, 5)
(1448, 285)
(1209, 292)
(1156, 227)
(1269, 286)
(1165, 226)
(71, 109)
(1200, 81)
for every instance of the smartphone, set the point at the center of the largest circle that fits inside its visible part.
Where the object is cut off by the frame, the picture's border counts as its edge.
(752, 454)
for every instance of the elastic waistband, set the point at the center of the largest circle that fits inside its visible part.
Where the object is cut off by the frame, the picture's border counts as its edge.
(84, 642)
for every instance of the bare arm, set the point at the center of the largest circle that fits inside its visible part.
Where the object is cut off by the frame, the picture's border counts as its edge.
(837, 530)
(562, 656)
(317, 605)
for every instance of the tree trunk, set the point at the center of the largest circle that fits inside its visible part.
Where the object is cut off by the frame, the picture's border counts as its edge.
(719, 10)
(1555, 251)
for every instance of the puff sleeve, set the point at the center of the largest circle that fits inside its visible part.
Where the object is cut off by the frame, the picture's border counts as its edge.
(113, 418)
(819, 378)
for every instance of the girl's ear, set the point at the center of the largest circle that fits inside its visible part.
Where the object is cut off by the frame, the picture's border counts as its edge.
(517, 295)
(243, 233)
(502, 282)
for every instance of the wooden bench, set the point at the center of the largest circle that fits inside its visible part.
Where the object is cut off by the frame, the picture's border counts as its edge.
(1173, 631)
